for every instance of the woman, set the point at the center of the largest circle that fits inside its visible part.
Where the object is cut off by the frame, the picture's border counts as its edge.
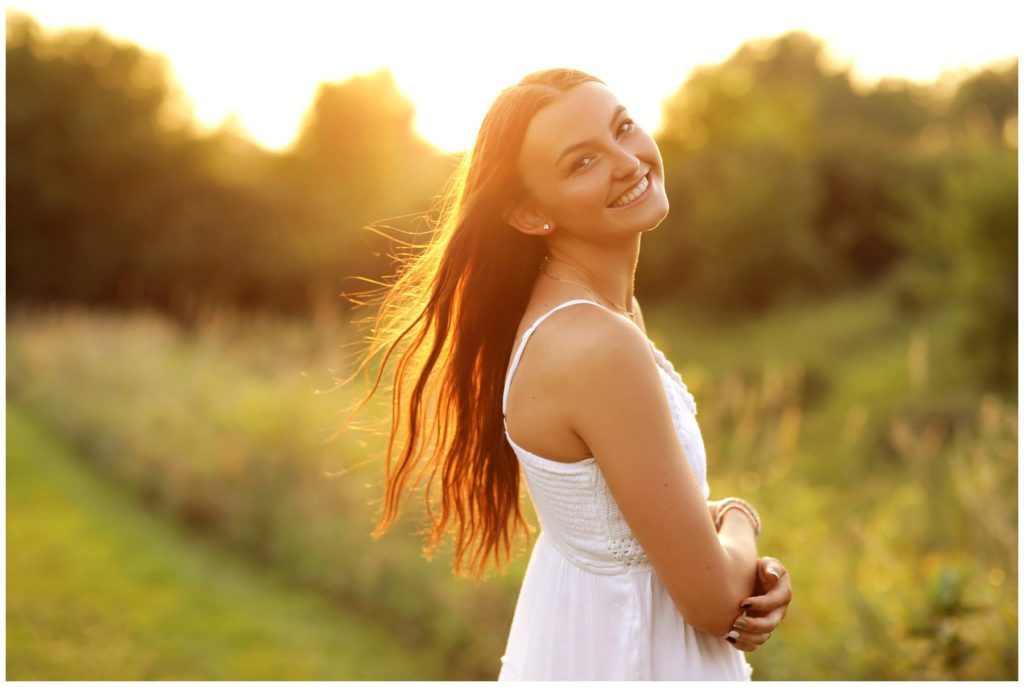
(634, 574)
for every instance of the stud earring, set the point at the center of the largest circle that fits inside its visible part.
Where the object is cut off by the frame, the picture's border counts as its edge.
(547, 227)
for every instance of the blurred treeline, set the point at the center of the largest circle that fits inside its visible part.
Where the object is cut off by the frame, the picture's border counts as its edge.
(115, 198)
(786, 181)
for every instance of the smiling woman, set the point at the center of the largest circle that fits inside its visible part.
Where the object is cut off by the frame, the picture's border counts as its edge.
(547, 212)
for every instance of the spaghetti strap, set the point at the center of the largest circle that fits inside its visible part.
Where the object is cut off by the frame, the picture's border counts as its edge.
(522, 344)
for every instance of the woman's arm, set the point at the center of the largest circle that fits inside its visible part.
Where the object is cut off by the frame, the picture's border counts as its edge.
(604, 378)
(754, 631)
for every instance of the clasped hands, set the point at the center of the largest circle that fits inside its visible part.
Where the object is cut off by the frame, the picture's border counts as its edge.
(762, 612)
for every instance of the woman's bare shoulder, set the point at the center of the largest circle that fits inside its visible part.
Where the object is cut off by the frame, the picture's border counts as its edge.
(585, 339)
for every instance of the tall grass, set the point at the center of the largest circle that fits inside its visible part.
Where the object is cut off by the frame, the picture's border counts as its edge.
(888, 493)
(222, 428)
(98, 590)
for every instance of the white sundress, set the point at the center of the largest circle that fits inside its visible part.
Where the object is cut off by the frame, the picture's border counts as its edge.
(591, 606)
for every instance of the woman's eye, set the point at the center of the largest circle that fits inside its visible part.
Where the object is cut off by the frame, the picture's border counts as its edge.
(579, 165)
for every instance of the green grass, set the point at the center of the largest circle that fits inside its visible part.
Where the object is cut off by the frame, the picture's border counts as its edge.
(856, 347)
(894, 533)
(98, 588)
(862, 459)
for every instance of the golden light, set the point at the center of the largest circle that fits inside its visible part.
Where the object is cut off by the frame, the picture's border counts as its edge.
(262, 62)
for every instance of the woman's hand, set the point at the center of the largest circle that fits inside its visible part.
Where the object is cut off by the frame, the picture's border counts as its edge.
(767, 607)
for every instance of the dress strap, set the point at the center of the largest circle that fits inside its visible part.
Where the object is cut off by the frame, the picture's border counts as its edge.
(526, 337)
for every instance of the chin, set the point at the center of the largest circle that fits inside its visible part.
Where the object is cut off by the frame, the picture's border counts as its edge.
(655, 225)
(662, 213)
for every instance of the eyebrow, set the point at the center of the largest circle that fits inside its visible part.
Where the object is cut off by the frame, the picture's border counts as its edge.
(615, 115)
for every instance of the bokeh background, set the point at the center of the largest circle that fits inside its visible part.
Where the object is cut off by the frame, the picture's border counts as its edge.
(837, 282)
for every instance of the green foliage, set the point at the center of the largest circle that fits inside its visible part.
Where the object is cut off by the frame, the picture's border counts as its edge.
(105, 168)
(986, 102)
(887, 485)
(99, 590)
(965, 234)
(892, 485)
(785, 181)
(219, 427)
(356, 161)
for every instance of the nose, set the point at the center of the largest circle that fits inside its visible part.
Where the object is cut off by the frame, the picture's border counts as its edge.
(627, 164)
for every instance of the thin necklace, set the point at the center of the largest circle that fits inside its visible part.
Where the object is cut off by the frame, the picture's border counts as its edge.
(548, 258)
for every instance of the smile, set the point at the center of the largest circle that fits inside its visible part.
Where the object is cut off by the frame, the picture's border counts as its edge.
(635, 195)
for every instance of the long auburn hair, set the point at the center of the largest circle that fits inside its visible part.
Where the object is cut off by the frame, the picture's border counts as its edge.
(460, 299)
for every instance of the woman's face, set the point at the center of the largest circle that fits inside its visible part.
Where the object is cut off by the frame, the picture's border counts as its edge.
(589, 169)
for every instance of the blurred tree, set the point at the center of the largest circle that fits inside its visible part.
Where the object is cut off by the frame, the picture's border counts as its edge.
(115, 198)
(356, 161)
(963, 229)
(784, 180)
(107, 198)
(986, 102)
(82, 149)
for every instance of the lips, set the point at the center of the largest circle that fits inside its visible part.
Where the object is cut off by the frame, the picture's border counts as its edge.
(632, 193)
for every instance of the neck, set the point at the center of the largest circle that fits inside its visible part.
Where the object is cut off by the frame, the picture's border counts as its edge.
(608, 269)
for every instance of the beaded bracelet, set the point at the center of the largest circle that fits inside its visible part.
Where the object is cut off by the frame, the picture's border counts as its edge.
(736, 502)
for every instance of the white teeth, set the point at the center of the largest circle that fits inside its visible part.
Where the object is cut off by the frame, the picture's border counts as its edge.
(632, 194)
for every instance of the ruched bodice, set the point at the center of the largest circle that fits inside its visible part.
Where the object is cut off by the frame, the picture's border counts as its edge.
(573, 502)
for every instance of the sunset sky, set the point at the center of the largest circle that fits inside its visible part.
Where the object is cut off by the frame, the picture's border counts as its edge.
(262, 61)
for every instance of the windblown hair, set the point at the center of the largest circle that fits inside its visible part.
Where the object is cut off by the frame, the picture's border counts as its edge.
(460, 300)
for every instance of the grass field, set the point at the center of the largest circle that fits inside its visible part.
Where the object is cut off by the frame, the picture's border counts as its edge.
(887, 480)
(100, 589)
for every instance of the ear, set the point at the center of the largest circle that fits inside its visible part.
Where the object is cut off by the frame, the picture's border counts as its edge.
(524, 217)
